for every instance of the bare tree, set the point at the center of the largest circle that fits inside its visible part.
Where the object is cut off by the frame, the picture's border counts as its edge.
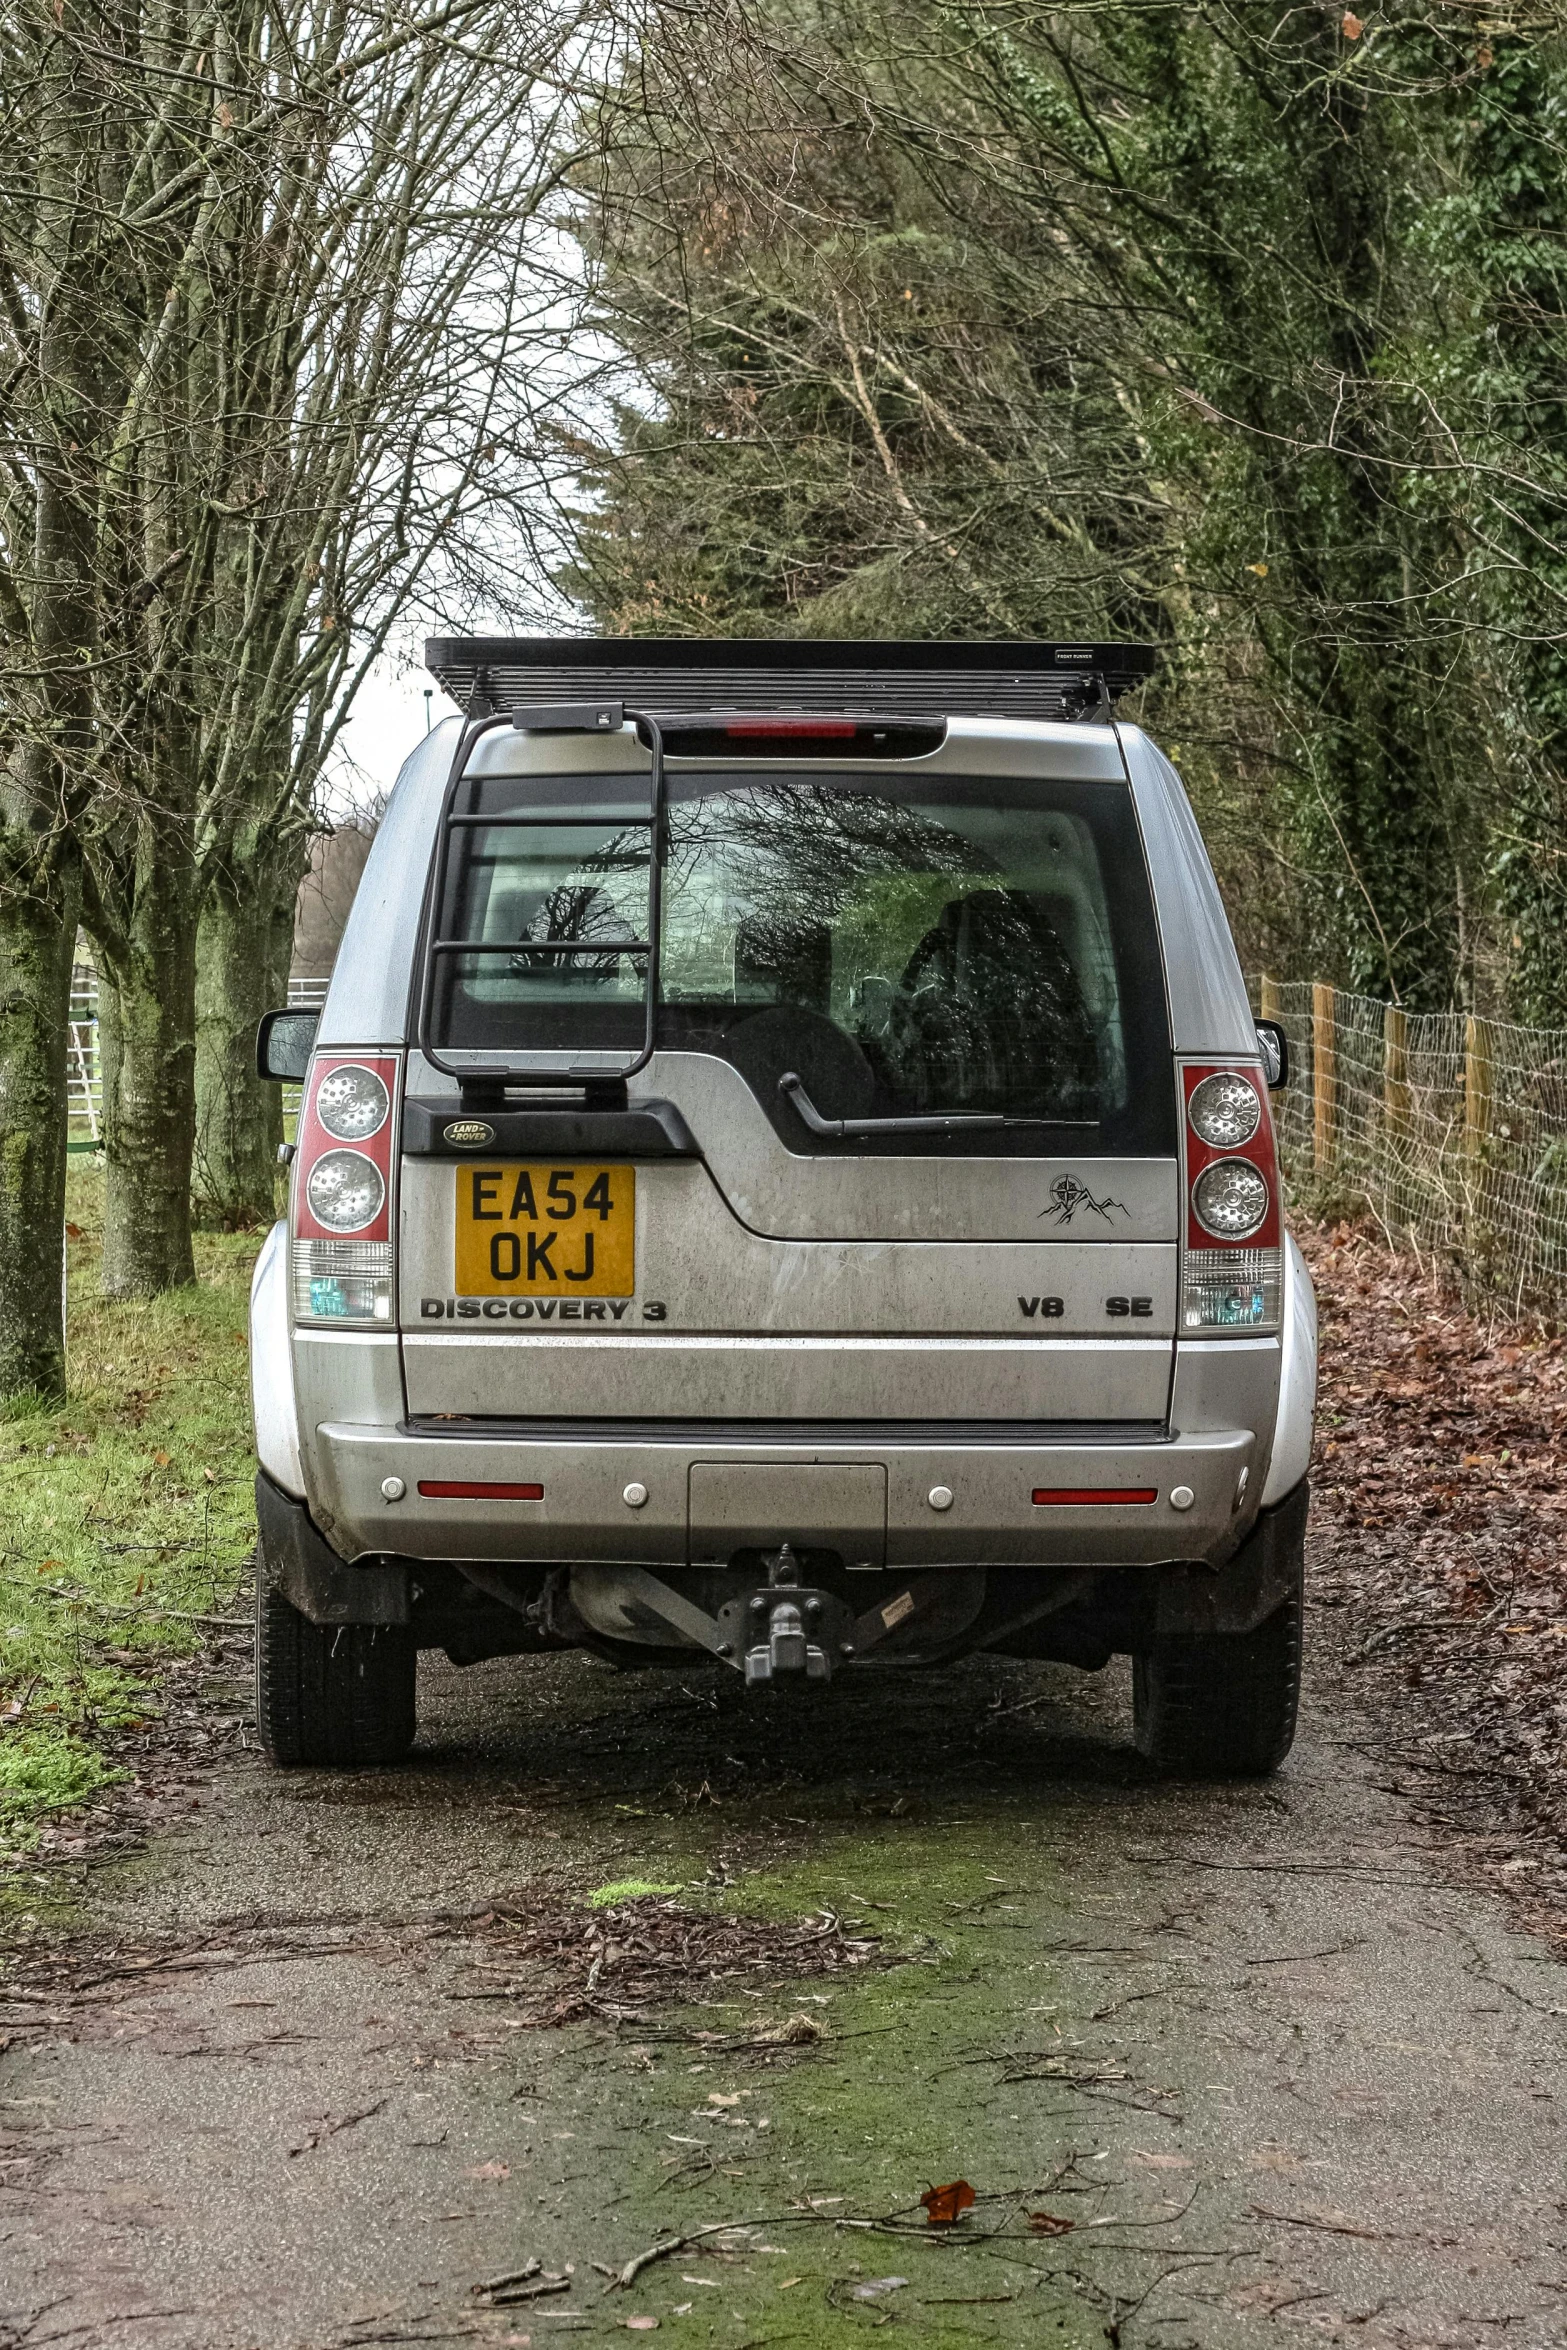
(277, 321)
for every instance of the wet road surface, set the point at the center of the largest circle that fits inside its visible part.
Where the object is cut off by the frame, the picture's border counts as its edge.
(1223, 2066)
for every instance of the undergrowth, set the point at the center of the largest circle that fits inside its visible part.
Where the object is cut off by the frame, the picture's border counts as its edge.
(125, 1516)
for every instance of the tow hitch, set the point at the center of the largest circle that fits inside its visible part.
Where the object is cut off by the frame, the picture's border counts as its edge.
(788, 1627)
(784, 1630)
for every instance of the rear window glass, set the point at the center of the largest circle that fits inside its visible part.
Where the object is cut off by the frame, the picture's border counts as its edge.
(906, 947)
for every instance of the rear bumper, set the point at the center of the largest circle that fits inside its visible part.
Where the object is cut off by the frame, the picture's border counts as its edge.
(871, 1501)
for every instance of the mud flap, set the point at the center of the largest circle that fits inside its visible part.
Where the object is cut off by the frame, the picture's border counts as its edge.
(298, 1563)
(1194, 1602)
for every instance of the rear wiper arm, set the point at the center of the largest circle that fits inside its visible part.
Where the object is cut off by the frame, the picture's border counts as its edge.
(950, 1122)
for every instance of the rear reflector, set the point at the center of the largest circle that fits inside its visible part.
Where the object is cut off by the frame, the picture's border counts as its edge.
(471, 1489)
(1086, 1496)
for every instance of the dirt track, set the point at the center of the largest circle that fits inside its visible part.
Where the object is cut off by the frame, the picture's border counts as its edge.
(1274, 2062)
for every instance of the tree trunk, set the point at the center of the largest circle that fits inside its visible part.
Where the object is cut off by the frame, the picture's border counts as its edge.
(37, 946)
(47, 694)
(243, 952)
(147, 1042)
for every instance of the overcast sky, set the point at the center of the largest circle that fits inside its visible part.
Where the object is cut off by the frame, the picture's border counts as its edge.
(390, 715)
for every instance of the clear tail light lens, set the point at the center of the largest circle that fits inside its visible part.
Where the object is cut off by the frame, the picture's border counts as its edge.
(1225, 1110)
(1232, 1263)
(1232, 1289)
(352, 1102)
(343, 1280)
(1229, 1199)
(346, 1191)
(342, 1257)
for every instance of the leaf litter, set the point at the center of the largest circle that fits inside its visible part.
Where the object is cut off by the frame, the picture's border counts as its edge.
(614, 1961)
(1440, 1533)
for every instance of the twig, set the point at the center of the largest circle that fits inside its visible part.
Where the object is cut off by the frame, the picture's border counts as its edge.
(1334, 2227)
(331, 2125)
(633, 2268)
(513, 2276)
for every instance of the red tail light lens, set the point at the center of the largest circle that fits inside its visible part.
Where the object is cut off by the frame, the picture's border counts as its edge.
(342, 1207)
(1232, 1263)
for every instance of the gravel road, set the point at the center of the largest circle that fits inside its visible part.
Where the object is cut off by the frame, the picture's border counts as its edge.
(1218, 2064)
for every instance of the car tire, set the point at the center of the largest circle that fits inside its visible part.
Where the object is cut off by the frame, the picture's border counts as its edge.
(1222, 1706)
(339, 1696)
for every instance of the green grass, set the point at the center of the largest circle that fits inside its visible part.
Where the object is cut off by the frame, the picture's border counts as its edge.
(626, 1889)
(124, 1517)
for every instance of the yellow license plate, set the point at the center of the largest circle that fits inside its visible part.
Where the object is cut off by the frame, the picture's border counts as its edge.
(554, 1230)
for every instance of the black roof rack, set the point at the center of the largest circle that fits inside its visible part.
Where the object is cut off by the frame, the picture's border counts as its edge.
(865, 677)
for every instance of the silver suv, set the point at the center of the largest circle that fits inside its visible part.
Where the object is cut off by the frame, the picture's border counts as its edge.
(784, 1170)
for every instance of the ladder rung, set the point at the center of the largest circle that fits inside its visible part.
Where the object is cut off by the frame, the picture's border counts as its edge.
(539, 946)
(557, 823)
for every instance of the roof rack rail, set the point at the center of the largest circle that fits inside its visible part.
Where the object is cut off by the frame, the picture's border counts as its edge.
(873, 677)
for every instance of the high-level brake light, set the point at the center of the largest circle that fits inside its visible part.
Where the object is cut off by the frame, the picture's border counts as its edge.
(836, 730)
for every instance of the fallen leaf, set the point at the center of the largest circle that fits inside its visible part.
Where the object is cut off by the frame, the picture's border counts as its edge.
(1260, 569)
(73, 1232)
(642, 2325)
(944, 2204)
(1163, 2161)
(1352, 27)
(160, 1460)
(878, 2285)
(717, 2097)
(491, 2170)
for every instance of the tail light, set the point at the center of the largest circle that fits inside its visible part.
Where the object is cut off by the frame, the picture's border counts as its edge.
(342, 1200)
(1232, 1260)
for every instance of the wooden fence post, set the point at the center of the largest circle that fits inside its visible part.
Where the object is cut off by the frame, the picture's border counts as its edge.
(1479, 1086)
(1324, 1078)
(1395, 1070)
(1270, 1002)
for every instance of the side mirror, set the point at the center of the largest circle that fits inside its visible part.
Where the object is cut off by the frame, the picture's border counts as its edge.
(1274, 1047)
(284, 1044)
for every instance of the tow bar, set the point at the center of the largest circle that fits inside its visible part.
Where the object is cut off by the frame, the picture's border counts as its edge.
(790, 1627)
(785, 1630)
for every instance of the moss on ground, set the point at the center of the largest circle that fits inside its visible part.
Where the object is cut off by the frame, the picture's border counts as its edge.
(907, 2090)
(125, 1517)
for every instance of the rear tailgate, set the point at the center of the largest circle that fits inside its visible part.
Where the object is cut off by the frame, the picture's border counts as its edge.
(696, 1315)
(912, 1026)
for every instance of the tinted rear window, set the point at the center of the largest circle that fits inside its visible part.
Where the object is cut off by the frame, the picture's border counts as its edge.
(908, 946)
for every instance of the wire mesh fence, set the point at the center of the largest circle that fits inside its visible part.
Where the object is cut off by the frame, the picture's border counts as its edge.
(1453, 1129)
